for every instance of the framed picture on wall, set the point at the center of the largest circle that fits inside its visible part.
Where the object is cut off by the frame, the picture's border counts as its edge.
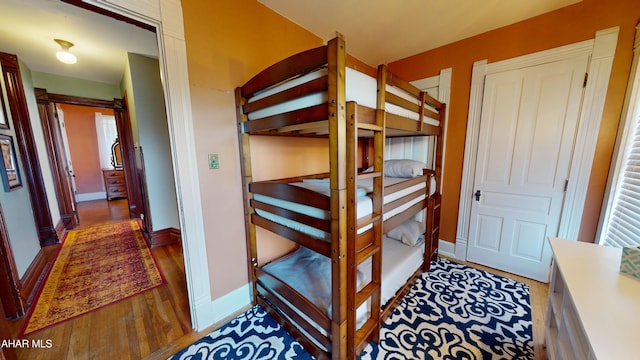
(9, 165)
(4, 120)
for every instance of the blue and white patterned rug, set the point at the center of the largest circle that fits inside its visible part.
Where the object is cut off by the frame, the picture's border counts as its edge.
(452, 312)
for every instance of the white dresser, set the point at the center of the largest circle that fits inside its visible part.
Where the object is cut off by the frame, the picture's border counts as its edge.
(593, 310)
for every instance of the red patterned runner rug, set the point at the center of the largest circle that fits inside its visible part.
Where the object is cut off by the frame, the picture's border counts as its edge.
(95, 267)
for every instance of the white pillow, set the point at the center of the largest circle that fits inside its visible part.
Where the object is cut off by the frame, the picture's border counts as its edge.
(409, 232)
(403, 168)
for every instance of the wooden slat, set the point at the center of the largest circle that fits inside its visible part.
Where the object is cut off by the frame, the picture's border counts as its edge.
(402, 84)
(300, 116)
(308, 88)
(365, 253)
(367, 220)
(365, 293)
(363, 240)
(308, 345)
(402, 102)
(404, 199)
(300, 63)
(371, 127)
(320, 224)
(402, 123)
(431, 101)
(364, 332)
(390, 189)
(292, 193)
(319, 246)
(281, 289)
(396, 220)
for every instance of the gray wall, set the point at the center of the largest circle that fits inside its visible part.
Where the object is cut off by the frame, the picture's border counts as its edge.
(144, 89)
(16, 205)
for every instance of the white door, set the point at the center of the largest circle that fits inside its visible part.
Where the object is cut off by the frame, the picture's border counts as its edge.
(527, 133)
(69, 166)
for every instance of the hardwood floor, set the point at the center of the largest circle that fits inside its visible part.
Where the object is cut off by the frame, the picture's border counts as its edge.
(100, 211)
(156, 324)
(130, 329)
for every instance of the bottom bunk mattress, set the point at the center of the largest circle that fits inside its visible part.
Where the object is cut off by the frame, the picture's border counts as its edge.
(309, 273)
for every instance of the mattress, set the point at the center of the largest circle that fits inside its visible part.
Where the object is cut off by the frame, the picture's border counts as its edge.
(364, 204)
(360, 88)
(309, 273)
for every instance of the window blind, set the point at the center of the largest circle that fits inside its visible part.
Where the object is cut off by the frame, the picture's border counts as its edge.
(621, 224)
(623, 227)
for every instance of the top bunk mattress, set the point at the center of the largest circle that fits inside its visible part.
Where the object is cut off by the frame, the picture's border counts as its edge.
(360, 88)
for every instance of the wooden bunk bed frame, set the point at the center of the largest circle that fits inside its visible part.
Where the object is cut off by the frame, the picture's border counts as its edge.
(343, 123)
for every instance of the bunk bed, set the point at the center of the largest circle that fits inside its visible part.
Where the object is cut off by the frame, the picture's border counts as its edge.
(339, 219)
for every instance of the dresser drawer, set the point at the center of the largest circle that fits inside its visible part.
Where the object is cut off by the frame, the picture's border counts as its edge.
(114, 183)
(116, 192)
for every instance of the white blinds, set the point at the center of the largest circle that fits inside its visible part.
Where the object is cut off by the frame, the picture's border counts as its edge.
(621, 226)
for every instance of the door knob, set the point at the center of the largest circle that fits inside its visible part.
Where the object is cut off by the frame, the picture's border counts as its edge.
(477, 194)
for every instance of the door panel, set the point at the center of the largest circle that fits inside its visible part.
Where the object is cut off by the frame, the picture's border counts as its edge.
(527, 131)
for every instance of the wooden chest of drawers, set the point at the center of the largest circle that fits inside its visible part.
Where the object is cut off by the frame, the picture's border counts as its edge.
(114, 183)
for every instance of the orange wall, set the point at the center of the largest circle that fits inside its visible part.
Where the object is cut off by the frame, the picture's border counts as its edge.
(227, 43)
(83, 144)
(568, 25)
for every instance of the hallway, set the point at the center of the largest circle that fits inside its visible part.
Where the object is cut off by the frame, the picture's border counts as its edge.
(133, 328)
(101, 211)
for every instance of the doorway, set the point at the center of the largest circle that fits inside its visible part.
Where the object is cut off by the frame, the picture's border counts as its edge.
(599, 51)
(90, 139)
(527, 133)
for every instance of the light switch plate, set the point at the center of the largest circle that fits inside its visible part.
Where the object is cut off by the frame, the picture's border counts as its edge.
(214, 163)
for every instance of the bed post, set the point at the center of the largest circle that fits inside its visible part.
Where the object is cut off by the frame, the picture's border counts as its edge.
(245, 169)
(336, 60)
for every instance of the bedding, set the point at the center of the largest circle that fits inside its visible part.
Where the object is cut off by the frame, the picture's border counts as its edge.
(360, 88)
(408, 233)
(309, 273)
(364, 204)
(403, 168)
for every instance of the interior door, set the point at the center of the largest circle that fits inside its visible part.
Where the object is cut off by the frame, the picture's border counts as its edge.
(69, 163)
(527, 133)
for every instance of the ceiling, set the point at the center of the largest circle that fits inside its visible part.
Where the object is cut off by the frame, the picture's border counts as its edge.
(28, 28)
(406, 27)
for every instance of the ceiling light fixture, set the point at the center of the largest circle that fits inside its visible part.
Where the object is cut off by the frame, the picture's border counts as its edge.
(65, 55)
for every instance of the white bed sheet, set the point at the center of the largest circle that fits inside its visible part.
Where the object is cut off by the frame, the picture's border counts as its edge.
(309, 273)
(360, 88)
(364, 205)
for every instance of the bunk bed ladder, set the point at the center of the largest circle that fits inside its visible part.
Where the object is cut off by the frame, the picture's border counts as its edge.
(370, 245)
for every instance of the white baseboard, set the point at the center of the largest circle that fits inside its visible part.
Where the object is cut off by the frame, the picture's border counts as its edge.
(210, 313)
(91, 196)
(446, 248)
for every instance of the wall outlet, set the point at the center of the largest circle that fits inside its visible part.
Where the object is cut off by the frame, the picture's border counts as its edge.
(214, 163)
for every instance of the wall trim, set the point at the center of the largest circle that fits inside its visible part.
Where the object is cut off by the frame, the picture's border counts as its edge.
(166, 17)
(164, 237)
(602, 50)
(60, 230)
(231, 303)
(36, 273)
(91, 196)
(446, 248)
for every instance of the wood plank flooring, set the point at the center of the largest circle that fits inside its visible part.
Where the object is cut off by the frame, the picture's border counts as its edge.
(130, 329)
(156, 324)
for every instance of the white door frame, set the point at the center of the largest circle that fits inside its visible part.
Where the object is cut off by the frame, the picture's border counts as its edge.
(602, 49)
(166, 16)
